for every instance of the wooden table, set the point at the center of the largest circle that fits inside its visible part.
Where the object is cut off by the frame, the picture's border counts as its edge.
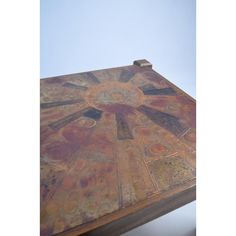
(117, 150)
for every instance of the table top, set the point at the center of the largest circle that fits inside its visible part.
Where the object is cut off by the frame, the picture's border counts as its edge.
(113, 142)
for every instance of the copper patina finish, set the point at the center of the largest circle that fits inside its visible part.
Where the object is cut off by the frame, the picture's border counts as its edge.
(113, 142)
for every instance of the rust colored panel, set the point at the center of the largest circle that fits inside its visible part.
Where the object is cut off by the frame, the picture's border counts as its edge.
(113, 143)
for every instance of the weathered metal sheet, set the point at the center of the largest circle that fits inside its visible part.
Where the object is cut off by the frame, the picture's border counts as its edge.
(109, 140)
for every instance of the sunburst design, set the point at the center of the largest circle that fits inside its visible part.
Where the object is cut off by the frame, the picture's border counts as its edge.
(110, 139)
(118, 97)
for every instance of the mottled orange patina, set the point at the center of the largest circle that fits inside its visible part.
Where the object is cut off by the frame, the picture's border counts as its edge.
(109, 140)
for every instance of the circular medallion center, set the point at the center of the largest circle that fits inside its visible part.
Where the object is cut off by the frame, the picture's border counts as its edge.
(113, 93)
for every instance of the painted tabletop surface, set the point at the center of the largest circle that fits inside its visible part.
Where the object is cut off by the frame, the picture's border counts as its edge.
(110, 139)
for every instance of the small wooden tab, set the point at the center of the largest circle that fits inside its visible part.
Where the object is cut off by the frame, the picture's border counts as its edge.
(143, 63)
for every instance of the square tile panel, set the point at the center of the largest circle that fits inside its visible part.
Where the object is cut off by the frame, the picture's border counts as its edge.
(113, 142)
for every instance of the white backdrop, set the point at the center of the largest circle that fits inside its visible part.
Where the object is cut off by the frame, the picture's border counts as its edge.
(83, 35)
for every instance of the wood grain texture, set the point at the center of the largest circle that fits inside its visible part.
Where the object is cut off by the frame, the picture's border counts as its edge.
(117, 150)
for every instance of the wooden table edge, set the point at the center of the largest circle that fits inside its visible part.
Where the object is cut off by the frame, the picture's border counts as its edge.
(144, 211)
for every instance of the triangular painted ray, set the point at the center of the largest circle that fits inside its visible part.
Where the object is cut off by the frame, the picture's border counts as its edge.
(60, 103)
(87, 112)
(123, 130)
(149, 89)
(126, 75)
(166, 121)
